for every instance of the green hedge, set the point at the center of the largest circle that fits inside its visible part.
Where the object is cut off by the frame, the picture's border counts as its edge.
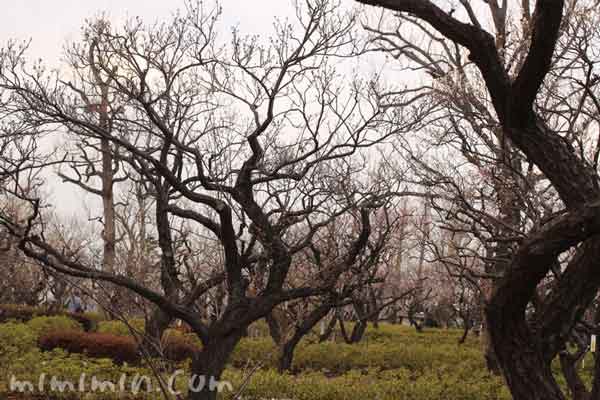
(43, 325)
(115, 327)
(24, 313)
(391, 347)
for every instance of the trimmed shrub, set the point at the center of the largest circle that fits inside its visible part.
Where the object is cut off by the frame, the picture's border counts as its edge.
(20, 312)
(96, 345)
(115, 327)
(261, 351)
(94, 316)
(178, 347)
(24, 313)
(119, 348)
(88, 324)
(42, 325)
(259, 329)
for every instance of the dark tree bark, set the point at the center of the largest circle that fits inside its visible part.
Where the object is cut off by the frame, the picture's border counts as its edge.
(525, 356)
(208, 365)
(358, 332)
(466, 329)
(491, 361)
(595, 392)
(576, 386)
(361, 308)
(527, 372)
(343, 331)
(329, 329)
(413, 309)
(159, 320)
(596, 382)
(154, 329)
(288, 347)
(274, 329)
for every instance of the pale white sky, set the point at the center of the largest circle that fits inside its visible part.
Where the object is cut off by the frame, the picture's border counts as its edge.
(52, 22)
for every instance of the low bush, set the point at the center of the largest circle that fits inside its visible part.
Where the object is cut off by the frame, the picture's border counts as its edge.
(118, 348)
(397, 384)
(258, 329)
(392, 347)
(89, 324)
(19, 312)
(71, 367)
(15, 339)
(94, 316)
(177, 346)
(46, 324)
(116, 327)
(24, 313)
(340, 358)
(261, 351)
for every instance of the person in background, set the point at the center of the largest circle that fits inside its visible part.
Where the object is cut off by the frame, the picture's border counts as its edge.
(75, 305)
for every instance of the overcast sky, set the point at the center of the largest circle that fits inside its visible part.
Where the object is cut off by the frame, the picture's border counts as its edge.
(51, 22)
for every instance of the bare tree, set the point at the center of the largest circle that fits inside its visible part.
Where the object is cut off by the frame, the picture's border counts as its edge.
(348, 274)
(515, 75)
(253, 143)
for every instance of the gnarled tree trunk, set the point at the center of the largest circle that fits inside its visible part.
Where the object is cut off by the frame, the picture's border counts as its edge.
(329, 329)
(576, 386)
(208, 365)
(527, 372)
(155, 327)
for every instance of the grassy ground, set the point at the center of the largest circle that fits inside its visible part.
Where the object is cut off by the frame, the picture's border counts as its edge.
(391, 363)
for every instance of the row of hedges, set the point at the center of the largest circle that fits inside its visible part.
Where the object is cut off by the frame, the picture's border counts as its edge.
(388, 347)
(113, 339)
(18, 338)
(119, 348)
(405, 366)
(24, 313)
(116, 327)
(415, 352)
(338, 358)
(45, 324)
